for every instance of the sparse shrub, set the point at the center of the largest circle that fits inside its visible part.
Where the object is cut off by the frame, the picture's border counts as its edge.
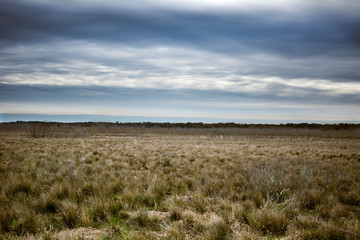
(268, 178)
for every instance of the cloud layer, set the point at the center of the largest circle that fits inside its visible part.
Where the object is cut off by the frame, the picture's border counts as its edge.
(301, 55)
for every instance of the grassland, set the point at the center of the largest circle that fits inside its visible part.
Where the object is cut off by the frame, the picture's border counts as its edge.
(180, 184)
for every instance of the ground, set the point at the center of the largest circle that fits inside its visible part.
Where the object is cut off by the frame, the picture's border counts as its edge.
(180, 184)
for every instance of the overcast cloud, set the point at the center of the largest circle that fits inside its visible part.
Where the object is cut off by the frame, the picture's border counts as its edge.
(231, 60)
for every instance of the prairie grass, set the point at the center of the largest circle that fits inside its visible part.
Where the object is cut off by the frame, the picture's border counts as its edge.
(180, 185)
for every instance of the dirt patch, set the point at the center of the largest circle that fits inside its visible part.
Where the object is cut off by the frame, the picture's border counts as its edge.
(80, 233)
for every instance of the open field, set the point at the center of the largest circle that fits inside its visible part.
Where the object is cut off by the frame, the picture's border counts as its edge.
(137, 183)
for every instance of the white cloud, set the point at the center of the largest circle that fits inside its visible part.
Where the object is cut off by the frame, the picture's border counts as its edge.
(162, 67)
(248, 111)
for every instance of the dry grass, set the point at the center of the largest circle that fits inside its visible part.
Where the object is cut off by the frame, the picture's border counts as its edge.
(188, 185)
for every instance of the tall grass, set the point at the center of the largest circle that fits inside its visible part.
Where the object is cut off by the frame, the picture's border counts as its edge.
(180, 186)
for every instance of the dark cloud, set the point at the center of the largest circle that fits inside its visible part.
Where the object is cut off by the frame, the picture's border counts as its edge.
(323, 33)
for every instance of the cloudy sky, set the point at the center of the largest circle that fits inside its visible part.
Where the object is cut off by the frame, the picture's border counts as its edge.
(191, 60)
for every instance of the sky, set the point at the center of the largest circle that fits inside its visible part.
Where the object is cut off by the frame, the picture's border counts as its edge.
(177, 61)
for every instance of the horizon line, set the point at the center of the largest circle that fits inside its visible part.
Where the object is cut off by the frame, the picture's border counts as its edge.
(81, 118)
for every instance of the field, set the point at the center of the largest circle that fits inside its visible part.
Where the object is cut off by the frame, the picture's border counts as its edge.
(145, 183)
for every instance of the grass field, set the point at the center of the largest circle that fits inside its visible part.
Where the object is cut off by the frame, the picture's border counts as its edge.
(188, 184)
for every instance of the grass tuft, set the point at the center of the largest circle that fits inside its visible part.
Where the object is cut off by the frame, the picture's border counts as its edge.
(69, 214)
(269, 222)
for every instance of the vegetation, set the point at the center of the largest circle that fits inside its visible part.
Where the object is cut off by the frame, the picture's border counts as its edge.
(127, 182)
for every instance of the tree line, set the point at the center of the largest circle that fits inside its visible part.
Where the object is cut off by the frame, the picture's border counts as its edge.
(198, 125)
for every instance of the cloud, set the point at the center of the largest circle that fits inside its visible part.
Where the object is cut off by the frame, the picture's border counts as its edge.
(180, 104)
(240, 27)
(184, 56)
(259, 37)
(168, 67)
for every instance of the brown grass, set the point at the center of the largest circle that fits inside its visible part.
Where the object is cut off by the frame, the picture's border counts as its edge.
(200, 184)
